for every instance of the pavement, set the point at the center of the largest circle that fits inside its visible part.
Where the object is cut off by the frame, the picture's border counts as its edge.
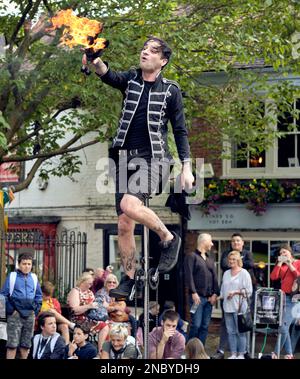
(262, 344)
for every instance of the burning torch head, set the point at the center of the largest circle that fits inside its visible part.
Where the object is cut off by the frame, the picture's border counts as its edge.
(92, 53)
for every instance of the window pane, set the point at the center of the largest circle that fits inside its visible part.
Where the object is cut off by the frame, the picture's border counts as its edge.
(260, 251)
(296, 248)
(258, 160)
(298, 149)
(283, 122)
(298, 118)
(238, 156)
(286, 149)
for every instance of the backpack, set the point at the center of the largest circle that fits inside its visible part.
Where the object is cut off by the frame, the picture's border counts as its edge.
(13, 278)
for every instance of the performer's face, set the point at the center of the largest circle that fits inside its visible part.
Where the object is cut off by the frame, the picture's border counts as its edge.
(151, 59)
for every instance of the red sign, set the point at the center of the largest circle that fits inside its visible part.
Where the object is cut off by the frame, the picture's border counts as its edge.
(10, 172)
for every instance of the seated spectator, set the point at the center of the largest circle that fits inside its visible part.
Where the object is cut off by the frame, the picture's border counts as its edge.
(182, 325)
(100, 277)
(81, 299)
(153, 313)
(49, 344)
(194, 349)
(166, 342)
(80, 347)
(119, 346)
(51, 304)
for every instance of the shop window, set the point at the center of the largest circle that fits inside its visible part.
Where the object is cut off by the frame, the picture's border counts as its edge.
(289, 142)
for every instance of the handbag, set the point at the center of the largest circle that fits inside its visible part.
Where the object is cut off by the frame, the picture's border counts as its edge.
(245, 323)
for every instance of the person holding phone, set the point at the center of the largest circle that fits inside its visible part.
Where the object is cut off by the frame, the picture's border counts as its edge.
(287, 269)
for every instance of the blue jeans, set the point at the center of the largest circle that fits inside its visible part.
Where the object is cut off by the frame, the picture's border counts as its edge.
(287, 320)
(295, 335)
(237, 341)
(200, 320)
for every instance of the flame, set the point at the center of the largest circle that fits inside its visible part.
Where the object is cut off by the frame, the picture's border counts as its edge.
(78, 30)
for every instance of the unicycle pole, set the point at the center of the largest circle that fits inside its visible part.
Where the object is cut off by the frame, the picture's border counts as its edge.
(146, 288)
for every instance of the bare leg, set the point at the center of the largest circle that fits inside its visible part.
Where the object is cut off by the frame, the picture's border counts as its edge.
(126, 243)
(24, 353)
(135, 209)
(11, 353)
(60, 318)
(102, 337)
(63, 328)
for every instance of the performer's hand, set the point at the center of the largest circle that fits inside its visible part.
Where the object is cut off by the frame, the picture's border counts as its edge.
(187, 178)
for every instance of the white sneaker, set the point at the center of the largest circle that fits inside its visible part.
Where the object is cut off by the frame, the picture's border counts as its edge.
(240, 356)
(233, 356)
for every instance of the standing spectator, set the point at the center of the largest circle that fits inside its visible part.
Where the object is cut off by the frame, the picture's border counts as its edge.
(49, 344)
(80, 347)
(287, 269)
(165, 341)
(237, 244)
(119, 346)
(23, 303)
(236, 285)
(51, 304)
(194, 349)
(202, 283)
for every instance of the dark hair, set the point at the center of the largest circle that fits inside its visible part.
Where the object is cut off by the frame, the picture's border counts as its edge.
(42, 318)
(47, 288)
(237, 235)
(165, 49)
(170, 315)
(85, 327)
(169, 304)
(25, 257)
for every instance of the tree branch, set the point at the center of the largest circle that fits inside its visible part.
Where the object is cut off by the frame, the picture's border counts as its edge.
(30, 176)
(19, 25)
(62, 150)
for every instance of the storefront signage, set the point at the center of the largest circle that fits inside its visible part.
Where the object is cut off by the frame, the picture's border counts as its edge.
(236, 216)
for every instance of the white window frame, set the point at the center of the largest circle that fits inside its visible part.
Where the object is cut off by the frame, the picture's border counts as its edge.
(271, 169)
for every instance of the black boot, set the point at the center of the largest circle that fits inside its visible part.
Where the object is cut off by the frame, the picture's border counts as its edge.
(124, 289)
(169, 254)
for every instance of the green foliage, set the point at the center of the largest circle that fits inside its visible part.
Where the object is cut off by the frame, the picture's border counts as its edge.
(39, 79)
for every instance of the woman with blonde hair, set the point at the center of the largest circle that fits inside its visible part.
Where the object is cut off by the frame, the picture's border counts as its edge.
(119, 346)
(194, 349)
(81, 299)
(235, 289)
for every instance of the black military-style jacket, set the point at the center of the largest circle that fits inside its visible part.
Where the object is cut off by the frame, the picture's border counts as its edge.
(164, 104)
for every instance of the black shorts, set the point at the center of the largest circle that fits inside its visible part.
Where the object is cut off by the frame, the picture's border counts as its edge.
(138, 174)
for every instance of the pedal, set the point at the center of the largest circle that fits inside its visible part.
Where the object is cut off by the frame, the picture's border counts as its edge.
(153, 276)
(131, 295)
(139, 279)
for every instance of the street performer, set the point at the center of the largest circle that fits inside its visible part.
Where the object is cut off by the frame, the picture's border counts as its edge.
(150, 101)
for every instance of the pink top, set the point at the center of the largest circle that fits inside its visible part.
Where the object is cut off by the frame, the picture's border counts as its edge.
(174, 348)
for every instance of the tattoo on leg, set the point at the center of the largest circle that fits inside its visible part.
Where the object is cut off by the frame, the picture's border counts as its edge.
(128, 261)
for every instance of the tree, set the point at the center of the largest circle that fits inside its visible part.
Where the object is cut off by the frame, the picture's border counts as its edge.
(39, 80)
